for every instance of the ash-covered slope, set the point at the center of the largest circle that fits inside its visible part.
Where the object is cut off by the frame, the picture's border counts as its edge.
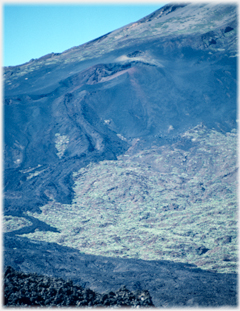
(126, 147)
(151, 79)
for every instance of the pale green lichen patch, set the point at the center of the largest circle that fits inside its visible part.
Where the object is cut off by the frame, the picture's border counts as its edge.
(30, 169)
(11, 223)
(61, 143)
(121, 137)
(36, 173)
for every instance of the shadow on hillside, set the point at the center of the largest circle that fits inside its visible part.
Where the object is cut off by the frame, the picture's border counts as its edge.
(170, 284)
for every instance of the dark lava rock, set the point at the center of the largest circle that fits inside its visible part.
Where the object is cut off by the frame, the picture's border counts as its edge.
(21, 289)
(224, 240)
(228, 29)
(202, 250)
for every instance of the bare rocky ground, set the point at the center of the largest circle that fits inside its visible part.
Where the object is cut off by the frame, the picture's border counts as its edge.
(176, 202)
(21, 289)
(120, 159)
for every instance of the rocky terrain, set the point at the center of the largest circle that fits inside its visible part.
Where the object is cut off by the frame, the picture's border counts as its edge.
(24, 290)
(169, 283)
(120, 159)
(160, 203)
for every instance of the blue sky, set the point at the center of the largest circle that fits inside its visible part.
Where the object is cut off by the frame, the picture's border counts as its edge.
(31, 31)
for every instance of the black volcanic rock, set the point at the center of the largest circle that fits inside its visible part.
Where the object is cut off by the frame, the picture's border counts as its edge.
(202, 250)
(21, 289)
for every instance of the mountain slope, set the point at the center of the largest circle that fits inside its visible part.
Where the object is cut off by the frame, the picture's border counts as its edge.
(126, 146)
(141, 89)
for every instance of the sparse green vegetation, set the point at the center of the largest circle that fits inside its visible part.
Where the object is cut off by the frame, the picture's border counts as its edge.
(61, 142)
(11, 223)
(139, 207)
(36, 173)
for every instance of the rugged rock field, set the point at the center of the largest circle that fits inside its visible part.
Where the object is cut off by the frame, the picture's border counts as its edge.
(33, 290)
(160, 203)
(120, 160)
